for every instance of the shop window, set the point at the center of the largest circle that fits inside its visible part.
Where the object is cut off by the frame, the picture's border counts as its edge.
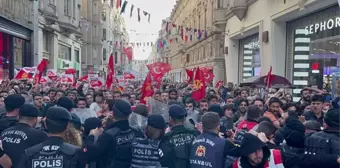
(5, 55)
(17, 52)
(64, 52)
(249, 57)
(313, 55)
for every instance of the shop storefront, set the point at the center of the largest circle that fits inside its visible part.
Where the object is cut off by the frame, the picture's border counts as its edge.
(249, 58)
(15, 48)
(313, 51)
(65, 59)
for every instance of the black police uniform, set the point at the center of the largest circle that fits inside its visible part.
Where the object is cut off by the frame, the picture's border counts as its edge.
(176, 144)
(54, 152)
(22, 136)
(113, 147)
(145, 151)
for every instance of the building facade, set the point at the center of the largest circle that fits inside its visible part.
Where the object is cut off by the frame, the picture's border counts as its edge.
(16, 36)
(58, 34)
(300, 39)
(104, 29)
(206, 15)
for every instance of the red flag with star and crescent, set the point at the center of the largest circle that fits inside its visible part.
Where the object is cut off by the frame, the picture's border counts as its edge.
(157, 71)
(147, 90)
(190, 74)
(110, 72)
(40, 70)
(199, 86)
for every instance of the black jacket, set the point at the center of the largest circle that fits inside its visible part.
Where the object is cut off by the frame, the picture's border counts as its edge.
(6, 122)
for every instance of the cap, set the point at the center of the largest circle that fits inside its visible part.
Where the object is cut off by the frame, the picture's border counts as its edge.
(58, 114)
(14, 101)
(156, 121)
(177, 111)
(65, 102)
(91, 123)
(332, 118)
(28, 110)
(216, 108)
(76, 121)
(122, 108)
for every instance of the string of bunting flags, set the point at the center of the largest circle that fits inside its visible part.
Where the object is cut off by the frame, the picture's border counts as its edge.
(118, 44)
(177, 32)
(125, 4)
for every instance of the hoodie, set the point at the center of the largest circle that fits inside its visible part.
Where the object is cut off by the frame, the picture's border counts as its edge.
(6, 122)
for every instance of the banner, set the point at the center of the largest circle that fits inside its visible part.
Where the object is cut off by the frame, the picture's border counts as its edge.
(95, 81)
(66, 78)
(52, 74)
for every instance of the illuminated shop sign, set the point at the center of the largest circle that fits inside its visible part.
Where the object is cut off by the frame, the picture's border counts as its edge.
(322, 26)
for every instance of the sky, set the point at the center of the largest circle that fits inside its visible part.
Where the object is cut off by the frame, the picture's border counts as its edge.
(144, 31)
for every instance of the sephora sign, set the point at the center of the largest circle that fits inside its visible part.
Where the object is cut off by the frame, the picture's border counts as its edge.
(324, 25)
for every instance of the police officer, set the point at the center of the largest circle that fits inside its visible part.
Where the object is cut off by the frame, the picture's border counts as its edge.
(145, 151)
(54, 152)
(113, 147)
(176, 144)
(12, 106)
(208, 149)
(22, 136)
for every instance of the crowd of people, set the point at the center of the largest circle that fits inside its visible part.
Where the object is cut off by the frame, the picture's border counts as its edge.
(58, 126)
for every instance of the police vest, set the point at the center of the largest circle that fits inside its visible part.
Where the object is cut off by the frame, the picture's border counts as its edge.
(145, 153)
(52, 156)
(274, 161)
(123, 139)
(207, 151)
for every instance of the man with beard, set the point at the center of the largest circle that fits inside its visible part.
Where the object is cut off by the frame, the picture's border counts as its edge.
(255, 154)
(273, 113)
(203, 108)
(305, 96)
(242, 109)
(22, 136)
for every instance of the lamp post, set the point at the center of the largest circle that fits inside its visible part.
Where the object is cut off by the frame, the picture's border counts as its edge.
(35, 32)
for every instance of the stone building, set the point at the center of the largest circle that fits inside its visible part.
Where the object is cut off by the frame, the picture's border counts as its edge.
(206, 15)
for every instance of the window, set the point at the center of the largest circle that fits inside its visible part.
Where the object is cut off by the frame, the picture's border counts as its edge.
(64, 52)
(104, 15)
(249, 62)
(74, 9)
(95, 9)
(188, 58)
(76, 55)
(205, 19)
(104, 34)
(94, 31)
(45, 41)
(104, 54)
(94, 53)
(220, 3)
(116, 57)
(67, 6)
(199, 22)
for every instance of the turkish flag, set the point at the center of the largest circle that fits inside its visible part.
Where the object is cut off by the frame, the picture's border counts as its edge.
(190, 74)
(70, 71)
(129, 76)
(43, 80)
(40, 70)
(110, 72)
(147, 90)
(208, 76)
(199, 86)
(158, 68)
(219, 83)
(128, 52)
(96, 83)
(52, 74)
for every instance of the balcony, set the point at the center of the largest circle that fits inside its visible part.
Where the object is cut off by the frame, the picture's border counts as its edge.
(68, 24)
(220, 17)
(48, 10)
